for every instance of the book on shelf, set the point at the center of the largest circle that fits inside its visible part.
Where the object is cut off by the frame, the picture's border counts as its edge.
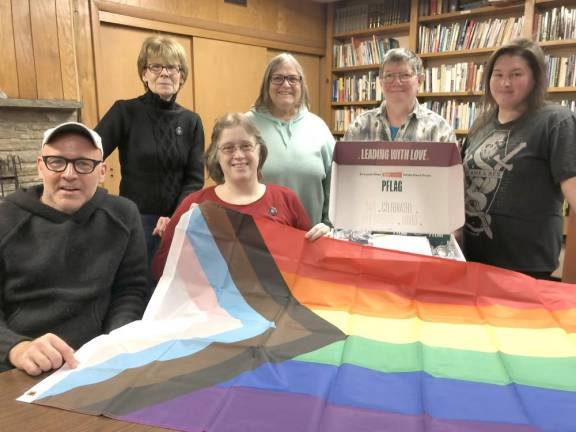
(561, 71)
(371, 15)
(458, 114)
(436, 7)
(357, 88)
(471, 4)
(344, 116)
(468, 34)
(362, 51)
(558, 23)
(458, 77)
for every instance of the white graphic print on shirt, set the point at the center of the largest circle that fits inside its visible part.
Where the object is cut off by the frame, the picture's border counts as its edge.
(485, 167)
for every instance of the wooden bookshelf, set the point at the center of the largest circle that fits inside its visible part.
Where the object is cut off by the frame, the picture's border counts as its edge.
(359, 68)
(569, 43)
(460, 53)
(426, 95)
(391, 29)
(554, 3)
(529, 9)
(560, 90)
(356, 103)
(490, 11)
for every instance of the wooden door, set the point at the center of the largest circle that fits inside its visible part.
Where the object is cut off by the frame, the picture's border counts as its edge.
(118, 78)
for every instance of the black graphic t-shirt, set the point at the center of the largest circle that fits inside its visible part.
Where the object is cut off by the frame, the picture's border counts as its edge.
(513, 173)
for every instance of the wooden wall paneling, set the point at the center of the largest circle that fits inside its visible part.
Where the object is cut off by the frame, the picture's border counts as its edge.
(45, 42)
(228, 81)
(311, 66)
(67, 50)
(327, 61)
(288, 20)
(161, 21)
(24, 50)
(8, 68)
(85, 63)
(119, 79)
(301, 17)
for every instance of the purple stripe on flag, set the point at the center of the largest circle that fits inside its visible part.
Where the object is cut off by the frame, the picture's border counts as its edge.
(246, 409)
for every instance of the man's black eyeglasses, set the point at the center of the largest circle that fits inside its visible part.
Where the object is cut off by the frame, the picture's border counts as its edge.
(81, 165)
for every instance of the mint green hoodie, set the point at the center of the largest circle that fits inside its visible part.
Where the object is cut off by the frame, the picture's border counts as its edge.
(299, 157)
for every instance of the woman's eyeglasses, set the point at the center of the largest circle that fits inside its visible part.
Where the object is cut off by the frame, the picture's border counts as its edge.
(279, 79)
(156, 68)
(402, 77)
(231, 148)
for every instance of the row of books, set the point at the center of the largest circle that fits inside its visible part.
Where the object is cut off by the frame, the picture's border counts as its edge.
(344, 116)
(556, 23)
(373, 15)
(468, 34)
(459, 114)
(570, 103)
(357, 88)
(362, 51)
(459, 77)
(561, 71)
(436, 7)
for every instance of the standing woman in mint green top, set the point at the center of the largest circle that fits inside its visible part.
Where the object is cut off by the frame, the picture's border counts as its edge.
(300, 144)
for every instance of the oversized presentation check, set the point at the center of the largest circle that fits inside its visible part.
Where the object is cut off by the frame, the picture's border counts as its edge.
(393, 186)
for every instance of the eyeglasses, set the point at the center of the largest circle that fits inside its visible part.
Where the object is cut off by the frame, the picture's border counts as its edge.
(292, 79)
(402, 76)
(81, 165)
(156, 68)
(231, 148)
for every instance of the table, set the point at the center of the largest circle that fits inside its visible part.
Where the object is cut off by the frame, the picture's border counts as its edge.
(18, 416)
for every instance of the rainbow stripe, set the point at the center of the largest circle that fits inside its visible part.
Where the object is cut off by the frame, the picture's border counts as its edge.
(331, 336)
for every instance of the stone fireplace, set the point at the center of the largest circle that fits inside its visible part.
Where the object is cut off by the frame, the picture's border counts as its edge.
(22, 123)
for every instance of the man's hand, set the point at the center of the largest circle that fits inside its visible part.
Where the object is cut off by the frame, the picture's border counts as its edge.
(42, 354)
(317, 231)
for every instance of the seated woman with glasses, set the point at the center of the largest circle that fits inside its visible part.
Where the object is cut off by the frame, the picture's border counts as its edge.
(160, 143)
(234, 161)
(300, 144)
(400, 117)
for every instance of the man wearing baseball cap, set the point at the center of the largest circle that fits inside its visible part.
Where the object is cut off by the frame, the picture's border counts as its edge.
(72, 257)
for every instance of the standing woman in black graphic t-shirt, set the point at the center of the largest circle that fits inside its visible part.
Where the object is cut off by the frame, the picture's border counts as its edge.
(519, 163)
(160, 143)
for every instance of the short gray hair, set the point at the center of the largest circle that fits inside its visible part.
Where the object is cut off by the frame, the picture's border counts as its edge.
(398, 55)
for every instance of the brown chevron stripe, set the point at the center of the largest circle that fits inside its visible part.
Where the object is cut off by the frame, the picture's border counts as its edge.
(297, 331)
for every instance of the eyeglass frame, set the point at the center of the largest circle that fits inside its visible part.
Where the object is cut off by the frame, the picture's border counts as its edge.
(236, 148)
(291, 79)
(403, 77)
(47, 158)
(177, 68)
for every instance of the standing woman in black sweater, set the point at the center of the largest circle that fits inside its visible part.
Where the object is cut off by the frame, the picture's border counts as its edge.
(160, 143)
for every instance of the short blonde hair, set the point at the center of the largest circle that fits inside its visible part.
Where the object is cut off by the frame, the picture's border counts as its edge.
(228, 121)
(163, 47)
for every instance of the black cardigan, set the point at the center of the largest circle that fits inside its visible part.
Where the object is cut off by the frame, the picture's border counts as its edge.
(160, 145)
